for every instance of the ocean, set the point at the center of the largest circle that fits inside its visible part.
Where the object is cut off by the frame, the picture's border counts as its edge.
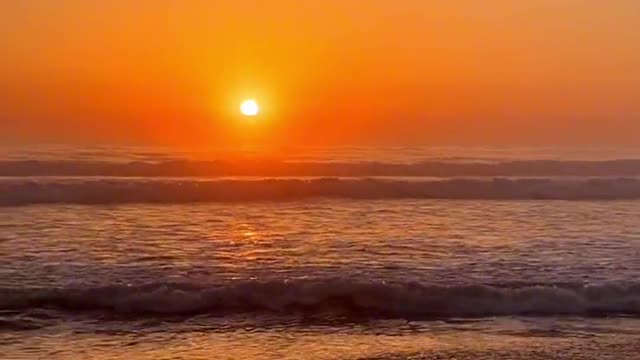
(342, 253)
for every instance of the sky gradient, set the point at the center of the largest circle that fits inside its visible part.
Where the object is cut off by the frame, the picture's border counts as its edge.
(333, 72)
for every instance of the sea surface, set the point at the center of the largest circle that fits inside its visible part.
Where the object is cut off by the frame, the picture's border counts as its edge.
(342, 253)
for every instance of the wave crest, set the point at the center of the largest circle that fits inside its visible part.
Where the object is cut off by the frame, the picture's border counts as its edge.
(128, 190)
(273, 168)
(408, 300)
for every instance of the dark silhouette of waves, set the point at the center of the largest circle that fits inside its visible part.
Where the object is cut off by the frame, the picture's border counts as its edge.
(274, 168)
(92, 191)
(368, 299)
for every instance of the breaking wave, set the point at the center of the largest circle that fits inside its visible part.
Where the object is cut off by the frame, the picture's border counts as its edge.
(26, 191)
(367, 299)
(271, 168)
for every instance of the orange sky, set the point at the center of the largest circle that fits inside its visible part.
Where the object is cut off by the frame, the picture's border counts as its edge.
(528, 72)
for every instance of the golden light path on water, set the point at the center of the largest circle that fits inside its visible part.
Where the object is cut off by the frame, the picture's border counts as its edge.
(396, 340)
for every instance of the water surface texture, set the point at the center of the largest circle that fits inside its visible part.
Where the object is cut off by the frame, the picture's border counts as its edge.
(149, 272)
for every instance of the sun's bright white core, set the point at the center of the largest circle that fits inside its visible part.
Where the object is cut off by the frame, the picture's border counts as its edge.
(249, 108)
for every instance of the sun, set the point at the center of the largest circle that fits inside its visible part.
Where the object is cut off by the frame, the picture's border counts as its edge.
(249, 107)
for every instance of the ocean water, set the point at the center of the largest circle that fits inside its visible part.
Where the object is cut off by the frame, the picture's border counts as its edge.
(395, 253)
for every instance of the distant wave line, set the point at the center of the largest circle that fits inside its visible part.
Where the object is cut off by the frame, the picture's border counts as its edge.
(275, 168)
(27, 191)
